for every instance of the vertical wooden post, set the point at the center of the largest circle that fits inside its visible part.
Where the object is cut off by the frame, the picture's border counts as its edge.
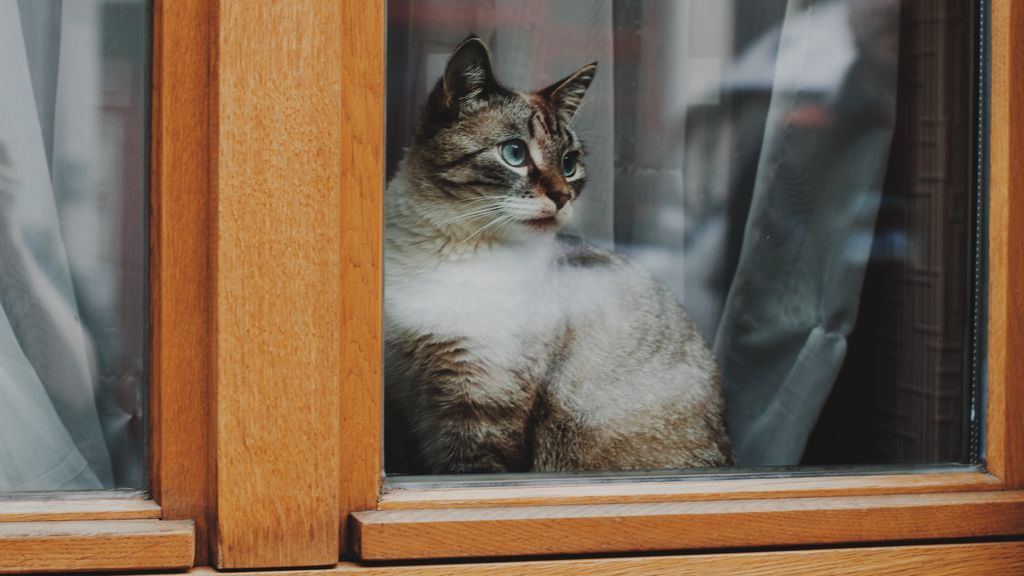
(180, 264)
(362, 167)
(1005, 427)
(276, 287)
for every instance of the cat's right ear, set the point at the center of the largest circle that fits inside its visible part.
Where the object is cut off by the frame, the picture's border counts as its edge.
(567, 94)
(468, 75)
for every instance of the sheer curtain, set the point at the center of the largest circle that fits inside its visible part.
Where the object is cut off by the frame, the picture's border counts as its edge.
(736, 150)
(72, 306)
(793, 300)
(49, 424)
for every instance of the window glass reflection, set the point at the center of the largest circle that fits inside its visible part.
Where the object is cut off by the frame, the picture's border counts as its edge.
(73, 250)
(796, 172)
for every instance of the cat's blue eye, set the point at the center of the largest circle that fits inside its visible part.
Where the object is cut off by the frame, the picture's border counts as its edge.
(513, 152)
(569, 162)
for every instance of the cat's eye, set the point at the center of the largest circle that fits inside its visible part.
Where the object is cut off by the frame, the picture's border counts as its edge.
(513, 152)
(569, 163)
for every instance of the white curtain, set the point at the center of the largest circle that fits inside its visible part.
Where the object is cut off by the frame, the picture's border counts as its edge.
(50, 433)
(73, 252)
(794, 298)
(681, 105)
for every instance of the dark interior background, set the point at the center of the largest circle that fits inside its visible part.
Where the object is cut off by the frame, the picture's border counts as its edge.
(902, 394)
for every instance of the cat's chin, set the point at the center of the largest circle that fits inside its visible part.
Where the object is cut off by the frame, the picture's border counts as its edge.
(543, 224)
(532, 229)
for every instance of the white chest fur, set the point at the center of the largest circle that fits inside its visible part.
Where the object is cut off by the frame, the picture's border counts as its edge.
(497, 299)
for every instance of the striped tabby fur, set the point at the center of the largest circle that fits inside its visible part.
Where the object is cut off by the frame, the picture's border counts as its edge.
(510, 347)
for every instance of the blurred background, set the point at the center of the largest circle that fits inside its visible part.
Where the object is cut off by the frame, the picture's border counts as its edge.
(799, 172)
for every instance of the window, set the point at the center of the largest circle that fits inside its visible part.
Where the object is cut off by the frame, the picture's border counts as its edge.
(74, 321)
(800, 177)
(76, 86)
(446, 518)
(267, 430)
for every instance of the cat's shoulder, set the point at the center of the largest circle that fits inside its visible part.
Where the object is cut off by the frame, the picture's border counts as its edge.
(575, 252)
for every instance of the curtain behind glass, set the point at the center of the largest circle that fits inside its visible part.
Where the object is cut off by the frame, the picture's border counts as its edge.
(51, 430)
(736, 151)
(795, 295)
(73, 97)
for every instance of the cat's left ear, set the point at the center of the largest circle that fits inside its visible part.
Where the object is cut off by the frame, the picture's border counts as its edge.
(468, 75)
(567, 94)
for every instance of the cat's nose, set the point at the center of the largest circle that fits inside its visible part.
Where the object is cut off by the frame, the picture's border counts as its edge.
(559, 198)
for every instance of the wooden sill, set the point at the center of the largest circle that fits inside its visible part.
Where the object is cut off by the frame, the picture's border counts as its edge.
(985, 559)
(387, 535)
(94, 545)
(50, 509)
(90, 532)
(687, 491)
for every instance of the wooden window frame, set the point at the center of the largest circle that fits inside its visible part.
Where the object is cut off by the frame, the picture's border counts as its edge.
(696, 514)
(266, 359)
(116, 531)
(247, 130)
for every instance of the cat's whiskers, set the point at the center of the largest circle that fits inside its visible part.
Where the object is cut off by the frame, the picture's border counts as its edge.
(571, 223)
(485, 211)
(483, 197)
(506, 224)
(589, 136)
(591, 98)
(503, 218)
(473, 211)
(476, 199)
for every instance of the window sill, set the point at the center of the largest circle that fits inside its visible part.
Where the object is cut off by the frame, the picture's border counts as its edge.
(979, 559)
(76, 507)
(409, 497)
(92, 545)
(388, 535)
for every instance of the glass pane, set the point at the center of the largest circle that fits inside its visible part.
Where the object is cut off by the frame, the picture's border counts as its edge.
(74, 97)
(797, 174)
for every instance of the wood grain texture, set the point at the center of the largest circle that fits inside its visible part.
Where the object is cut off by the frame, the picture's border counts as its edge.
(1005, 422)
(990, 559)
(180, 263)
(19, 510)
(362, 169)
(276, 294)
(687, 490)
(623, 528)
(106, 545)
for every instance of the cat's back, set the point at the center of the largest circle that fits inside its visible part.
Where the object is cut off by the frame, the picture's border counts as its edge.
(636, 386)
(601, 286)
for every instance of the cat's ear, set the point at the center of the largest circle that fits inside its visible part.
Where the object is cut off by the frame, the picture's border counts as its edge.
(468, 75)
(566, 95)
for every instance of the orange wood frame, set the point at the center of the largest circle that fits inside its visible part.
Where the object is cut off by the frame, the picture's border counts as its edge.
(246, 293)
(981, 559)
(672, 516)
(246, 186)
(180, 269)
(255, 467)
(112, 532)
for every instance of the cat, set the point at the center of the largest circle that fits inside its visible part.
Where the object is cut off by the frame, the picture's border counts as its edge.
(510, 347)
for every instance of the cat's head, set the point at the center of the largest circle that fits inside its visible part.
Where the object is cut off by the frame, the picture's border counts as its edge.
(500, 158)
